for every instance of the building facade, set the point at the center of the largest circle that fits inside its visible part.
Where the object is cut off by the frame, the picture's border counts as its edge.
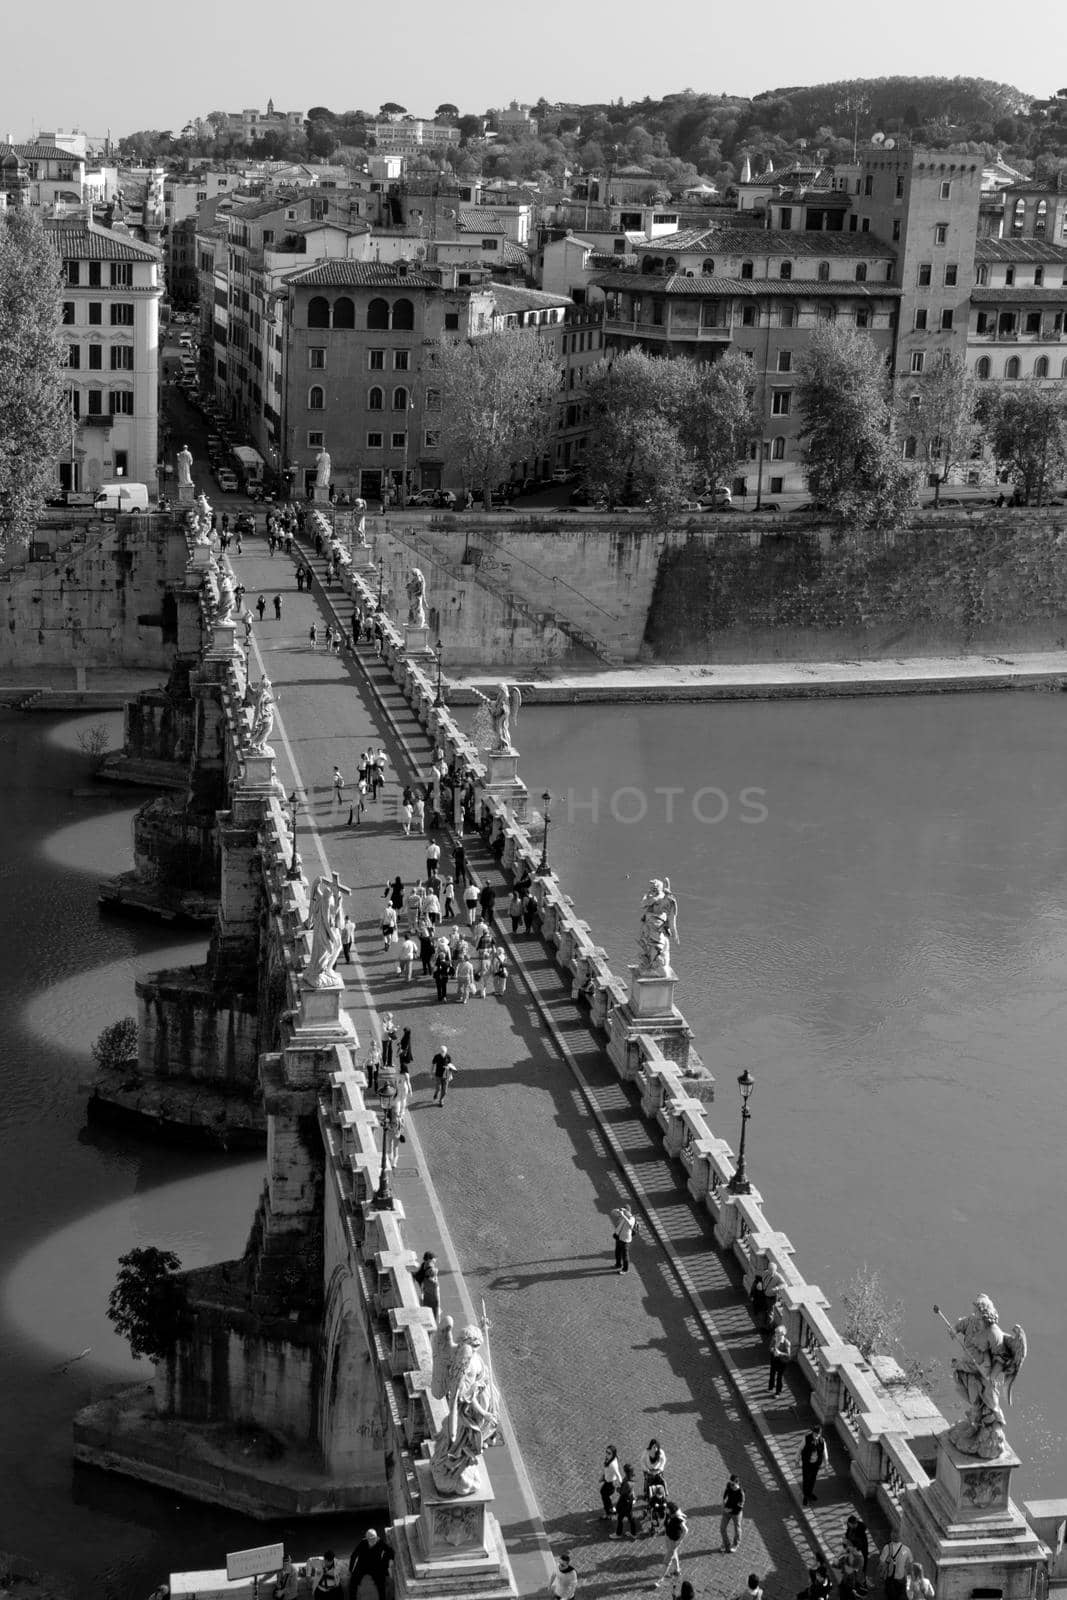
(1018, 311)
(112, 289)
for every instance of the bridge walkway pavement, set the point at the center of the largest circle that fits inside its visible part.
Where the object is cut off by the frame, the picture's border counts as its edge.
(537, 1141)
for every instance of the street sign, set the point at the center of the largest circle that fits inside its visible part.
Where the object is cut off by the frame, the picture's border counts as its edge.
(253, 1563)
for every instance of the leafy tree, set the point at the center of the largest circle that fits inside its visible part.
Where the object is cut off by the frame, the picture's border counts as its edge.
(447, 109)
(717, 413)
(635, 451)
(391, 108)
(853, 467)
(34, 403)
(1026, 425)
(116, 1045)
(148, 1304)
(939, 414)
(498, 394)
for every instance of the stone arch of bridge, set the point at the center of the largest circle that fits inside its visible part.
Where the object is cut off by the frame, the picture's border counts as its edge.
(350, 1428)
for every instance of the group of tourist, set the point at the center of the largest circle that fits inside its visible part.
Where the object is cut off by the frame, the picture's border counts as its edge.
(368, 1572)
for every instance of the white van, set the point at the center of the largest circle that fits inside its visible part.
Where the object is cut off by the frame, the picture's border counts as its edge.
(122, 496)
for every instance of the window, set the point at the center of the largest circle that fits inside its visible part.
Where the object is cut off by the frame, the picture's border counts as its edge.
(853, 222)
(785, 269)
(72, 272)
(122, 274)
(981, 275)
(122, 358)
(785, 217)
(1041, 367)
(946, 190)
(120, 402)
(926, 274)
(1018, 216)
(1040, 219)
(748, 316)
(824, 272)
(377, 361)
(921, 316)
(94, 274)
(787, 316)
(317, 359)
(747, 269)
(378, 314)
(75, 403)
(399, 441)
(918, 360)
(96, 357)
(432, 439)
(344, 312)
(911, 447)
(1009, 277)
(451, 321)
(868, 185)
(900, 189)
(982, 369)
(96, 313)
(1011, 368)
(785, 361)
(374, 441)
(780, 399)
(951, 275)
(122, 315)
(863, 317)
(941, 233)
(827, 313)
(1039, 277)
(490, 244)
(778, 449)
(708, 268)
(1033, 322)
(400, 399)
(403, 314)
(318, 312)
(433, 399)
(95, 405)
(861, 272)
(896, 230)
(68, 312)
(376, 399)
(315, 439)
(865, 225)
(73, 356)
(1063, 368)
(947, 319)
(316, 398)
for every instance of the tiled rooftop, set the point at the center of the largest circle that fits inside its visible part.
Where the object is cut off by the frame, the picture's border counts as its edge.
(359, 275)
(769, 242)
(84, 241)
(678, 283)
(987, 250)
(512, 298)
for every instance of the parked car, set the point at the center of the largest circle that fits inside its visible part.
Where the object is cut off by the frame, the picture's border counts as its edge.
(244, 523)
(421, 497)
(227, 480)
(444, 499)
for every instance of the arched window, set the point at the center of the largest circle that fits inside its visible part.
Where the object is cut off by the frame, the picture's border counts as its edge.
(911, 447)
(1041, 367)
(824, 272)
(1011, 368)
(827, 314)
(403, 314)
(318, 312)
(708, 269)
(344, 313)
(649, 264)
(1063, 368)
(861, 272)
(376, 399)
(670, 265)
(316, 398)
(1018, 219)
(748, 269)
(378, 314)
(778, 449)
(981, 370)
(400, 399)
(785, 269)
(1040, 219)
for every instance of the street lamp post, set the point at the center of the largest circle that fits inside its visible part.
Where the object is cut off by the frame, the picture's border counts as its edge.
(294, 870)
(381, 580)
(438, 697)
(383, 1199)
(543, 869)
(740, 1183)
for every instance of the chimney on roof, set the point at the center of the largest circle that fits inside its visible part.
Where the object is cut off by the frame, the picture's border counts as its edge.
(401, 269)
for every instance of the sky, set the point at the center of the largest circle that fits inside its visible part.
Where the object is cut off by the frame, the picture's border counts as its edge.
(155, 66)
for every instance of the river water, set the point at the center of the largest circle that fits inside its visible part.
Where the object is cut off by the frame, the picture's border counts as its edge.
(73, 1198)
(873, 920)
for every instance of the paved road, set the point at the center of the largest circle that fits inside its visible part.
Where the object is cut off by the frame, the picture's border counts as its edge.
(527, 1167)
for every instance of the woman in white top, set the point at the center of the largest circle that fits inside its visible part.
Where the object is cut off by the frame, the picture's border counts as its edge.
(919, 1585)
(653, 1464)
(610, 1478)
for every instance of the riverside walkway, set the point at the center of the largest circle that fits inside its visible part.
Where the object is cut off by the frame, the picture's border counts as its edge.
(537, 1141)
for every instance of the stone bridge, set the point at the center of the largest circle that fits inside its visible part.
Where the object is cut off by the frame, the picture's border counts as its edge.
(301, 1384)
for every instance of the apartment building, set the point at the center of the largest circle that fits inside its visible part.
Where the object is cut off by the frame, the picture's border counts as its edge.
(1018, 310)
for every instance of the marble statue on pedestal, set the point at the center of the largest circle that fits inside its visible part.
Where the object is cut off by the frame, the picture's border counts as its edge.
(185, 467)
(326, 915)
(989, 1356)
(262, 717)
(659, 925)
(501, 712)
(227, 599)
(360, 513)
(323, 468)
(416, 589)
(462, 1376)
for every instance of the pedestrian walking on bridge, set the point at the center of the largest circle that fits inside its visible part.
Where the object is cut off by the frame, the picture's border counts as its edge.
(261, 606)
(623, 1225)
(563, 1584)
(812, 1455)
(277, 608)
(733, 1514)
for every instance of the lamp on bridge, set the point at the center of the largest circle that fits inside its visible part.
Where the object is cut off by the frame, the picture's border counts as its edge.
(381, 580)
(294, 869)
(740, 1183)
(438, 697)
(543, 869)
(383, 1199)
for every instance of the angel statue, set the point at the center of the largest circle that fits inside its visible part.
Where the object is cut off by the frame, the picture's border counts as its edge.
(988, 1356)
(227, 599)
(262, 717)
(659, 925)
(416, 588)
(462, 1376)
(326, 913)
(500, 712)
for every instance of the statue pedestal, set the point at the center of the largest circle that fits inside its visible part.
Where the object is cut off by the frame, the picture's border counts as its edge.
(650, 1013)
(416, 640)
(968, 1532)
(321, 1012)
(501, 767)
(201, 559)
(258, 773)
(186, 494)
(322, 494)
(652, 996)
(223, 645)
(453, 1545)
